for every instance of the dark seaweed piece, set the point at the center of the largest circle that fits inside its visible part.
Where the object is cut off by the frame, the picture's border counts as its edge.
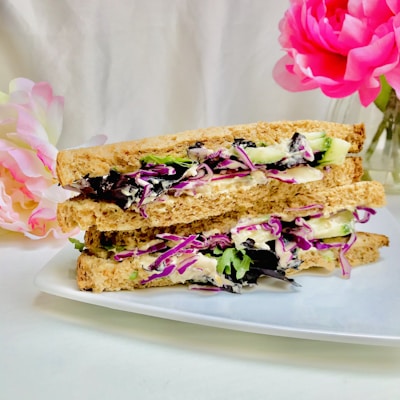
(244, 143)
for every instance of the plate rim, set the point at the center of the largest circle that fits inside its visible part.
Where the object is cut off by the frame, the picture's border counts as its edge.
(44, 280)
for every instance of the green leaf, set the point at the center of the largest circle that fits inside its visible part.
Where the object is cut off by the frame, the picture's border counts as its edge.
(167, 160)
(225, 261)
(78, 244)
(383, 97)
(133, 275)
(114, 248)
(242, 265)
(236, 258)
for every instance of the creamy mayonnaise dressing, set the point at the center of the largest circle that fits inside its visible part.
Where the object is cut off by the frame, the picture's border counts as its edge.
(260, 237)
(204, 269)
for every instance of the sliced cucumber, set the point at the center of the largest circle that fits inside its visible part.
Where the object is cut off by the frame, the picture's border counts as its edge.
(334, 149)
(314, 135)
(266, 155)
(322, 144)
(300, 174)
(336, 153)
(318, 141)
(340, 224)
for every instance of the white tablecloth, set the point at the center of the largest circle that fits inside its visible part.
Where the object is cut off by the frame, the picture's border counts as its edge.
(54, 348)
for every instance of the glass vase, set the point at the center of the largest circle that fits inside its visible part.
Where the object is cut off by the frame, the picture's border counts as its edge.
(381, 152)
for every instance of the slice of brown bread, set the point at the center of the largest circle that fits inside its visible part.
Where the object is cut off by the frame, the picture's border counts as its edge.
(96, 241)
(83, 213)
(99, 274)
(73, 164)
(170, 210)
(364, 251)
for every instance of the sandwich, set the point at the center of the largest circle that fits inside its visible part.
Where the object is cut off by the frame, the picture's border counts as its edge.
(236, 249)
(220, 208)
(140, 183)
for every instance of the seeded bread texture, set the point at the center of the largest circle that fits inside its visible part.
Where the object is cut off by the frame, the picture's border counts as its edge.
(364, 251)
(108, 217)
(98, 274)
(223, 223)
(73, 164)
(84, 213)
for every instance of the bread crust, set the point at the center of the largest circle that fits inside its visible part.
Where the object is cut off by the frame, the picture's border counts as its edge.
(364, 251)
(84, 213)
(98, 274)
(73, 164)
(109, 217)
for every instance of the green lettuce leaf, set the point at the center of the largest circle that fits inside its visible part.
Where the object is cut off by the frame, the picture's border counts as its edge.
(236, 258)
(77, 243)
(167, 160)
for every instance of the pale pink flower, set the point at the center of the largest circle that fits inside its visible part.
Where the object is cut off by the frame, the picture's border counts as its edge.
(30, 125)
(340, 46)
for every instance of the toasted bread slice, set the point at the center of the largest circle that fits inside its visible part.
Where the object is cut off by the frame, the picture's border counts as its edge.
(99, 274)
(277, 197)
(73, 164)
(364, 251)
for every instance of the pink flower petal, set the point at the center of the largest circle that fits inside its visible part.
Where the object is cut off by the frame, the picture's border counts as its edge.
(289, 80)
(30, 120)
(339, 46)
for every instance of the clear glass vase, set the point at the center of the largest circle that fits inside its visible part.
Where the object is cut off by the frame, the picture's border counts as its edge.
(381, 152)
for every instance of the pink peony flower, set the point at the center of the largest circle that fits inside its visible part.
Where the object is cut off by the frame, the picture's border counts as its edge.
(30, 125)
(341, 47)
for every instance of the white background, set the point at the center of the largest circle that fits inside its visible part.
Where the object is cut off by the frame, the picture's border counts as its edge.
(135, 68)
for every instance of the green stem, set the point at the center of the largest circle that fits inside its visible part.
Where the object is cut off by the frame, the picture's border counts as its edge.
(396, 147)
(390, 126)
(374, 142)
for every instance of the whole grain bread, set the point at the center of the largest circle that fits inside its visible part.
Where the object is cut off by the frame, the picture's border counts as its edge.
(364, 251)
(287, 200)
(73, 164)
(96, 240)
(99, 274)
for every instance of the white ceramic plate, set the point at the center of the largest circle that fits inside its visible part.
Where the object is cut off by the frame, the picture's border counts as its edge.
(364, 309)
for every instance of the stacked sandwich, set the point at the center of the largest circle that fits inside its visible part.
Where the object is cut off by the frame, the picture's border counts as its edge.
(220, 208)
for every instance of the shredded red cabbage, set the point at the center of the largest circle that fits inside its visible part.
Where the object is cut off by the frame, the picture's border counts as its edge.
(290, 236)
(153, 180)
(165, 272)
(280, 176)
(183, 266)
(137, 252)
(230, 165)
(238, 174)
(346, 267)
(205, 287)
(171, 252)
(302, 234)
(274, 225)
(245, 158)
(367, 214)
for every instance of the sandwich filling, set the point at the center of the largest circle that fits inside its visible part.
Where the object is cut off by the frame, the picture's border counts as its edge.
(296, 160)
(255, 247)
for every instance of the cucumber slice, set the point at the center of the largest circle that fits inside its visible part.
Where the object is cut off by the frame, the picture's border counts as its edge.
(265, 155)
(340, 224)
(336, 153)
(314, 135)
(318, 141)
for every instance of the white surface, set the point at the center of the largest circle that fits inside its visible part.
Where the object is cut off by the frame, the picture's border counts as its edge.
(55, 348)
(361, 310)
